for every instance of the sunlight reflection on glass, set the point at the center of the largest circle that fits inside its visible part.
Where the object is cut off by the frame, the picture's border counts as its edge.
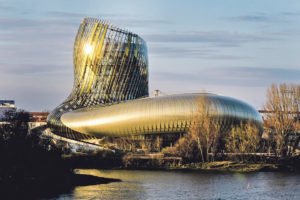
(88, 49)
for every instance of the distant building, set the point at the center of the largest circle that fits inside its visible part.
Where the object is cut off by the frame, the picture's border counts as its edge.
(37, 119)
(7, 109)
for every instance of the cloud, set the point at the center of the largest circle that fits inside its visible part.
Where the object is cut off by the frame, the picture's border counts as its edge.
(292, 14)
(256, 17)
(218, 38)
(36, 45)
(245, 83)
(260, 17)
(15, 23)
(68, 15)
(232, 76)
(5, 7)
(32, 69)
(115, 19)
(205, 44)
(191, 52)
(170, 51)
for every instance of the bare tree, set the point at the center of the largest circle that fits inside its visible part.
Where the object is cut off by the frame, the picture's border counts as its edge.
(243, 139)
(283, 113)
(157, 143)
(204, 129)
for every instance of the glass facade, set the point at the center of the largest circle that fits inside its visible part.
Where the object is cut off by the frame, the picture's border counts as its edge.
(110, 66)
(111, 79)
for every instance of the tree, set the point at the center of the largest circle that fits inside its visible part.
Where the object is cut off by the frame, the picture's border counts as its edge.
(202, 138)
(186, 147)
(16, 126)
(205, 129)
(243, 139)
(283, 107)
(157, 144)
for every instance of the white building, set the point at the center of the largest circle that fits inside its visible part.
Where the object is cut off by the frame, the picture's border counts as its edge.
(7, 108)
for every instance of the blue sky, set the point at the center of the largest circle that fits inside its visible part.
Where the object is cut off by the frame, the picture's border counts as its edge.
(234, 48)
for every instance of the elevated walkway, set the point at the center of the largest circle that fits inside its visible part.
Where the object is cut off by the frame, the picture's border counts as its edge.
(74, 144)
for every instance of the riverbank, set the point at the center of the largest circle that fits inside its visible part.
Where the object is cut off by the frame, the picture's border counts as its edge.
(228, 166)
(160, 162)
(218, 166)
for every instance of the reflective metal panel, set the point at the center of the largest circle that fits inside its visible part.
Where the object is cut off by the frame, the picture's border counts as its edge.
(155, 115)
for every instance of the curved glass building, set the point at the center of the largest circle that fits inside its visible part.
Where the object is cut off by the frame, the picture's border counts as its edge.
(110, 92)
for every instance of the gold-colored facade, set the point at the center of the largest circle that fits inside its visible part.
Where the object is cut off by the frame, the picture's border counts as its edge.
(110, 92)
(110, 66)
(158, 115)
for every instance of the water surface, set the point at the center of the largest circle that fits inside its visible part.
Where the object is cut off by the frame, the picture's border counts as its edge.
(188, 185)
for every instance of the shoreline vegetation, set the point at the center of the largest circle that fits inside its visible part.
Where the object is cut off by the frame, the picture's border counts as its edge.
(174, 164)
(229, 166)
(30, 169)
(218, 166)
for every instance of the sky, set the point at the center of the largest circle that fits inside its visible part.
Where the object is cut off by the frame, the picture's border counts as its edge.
(233, 48)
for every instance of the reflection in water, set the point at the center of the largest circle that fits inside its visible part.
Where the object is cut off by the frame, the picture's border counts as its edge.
(127, 189)
(188, 185)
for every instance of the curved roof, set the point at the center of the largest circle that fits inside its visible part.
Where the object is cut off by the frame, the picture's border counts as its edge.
(164, 114)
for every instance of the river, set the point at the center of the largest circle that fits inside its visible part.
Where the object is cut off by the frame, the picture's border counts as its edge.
(177, 185)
